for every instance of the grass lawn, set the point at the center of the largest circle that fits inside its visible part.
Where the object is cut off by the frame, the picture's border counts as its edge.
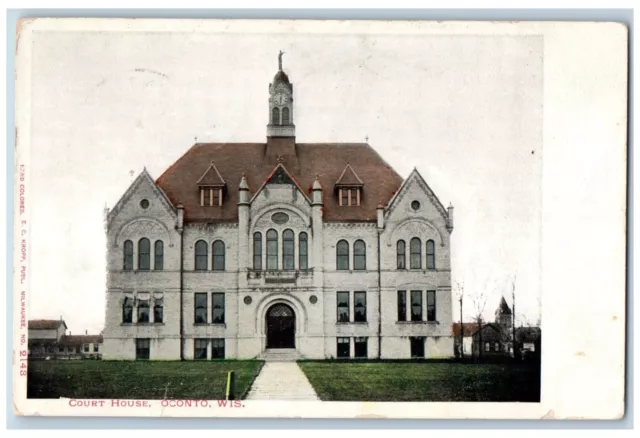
(423, 381)
(138, 379)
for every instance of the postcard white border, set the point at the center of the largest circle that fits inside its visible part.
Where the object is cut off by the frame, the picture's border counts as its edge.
(584, 198)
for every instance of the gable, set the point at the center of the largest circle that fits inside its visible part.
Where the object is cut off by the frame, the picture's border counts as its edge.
(416, 186)
(143, 187)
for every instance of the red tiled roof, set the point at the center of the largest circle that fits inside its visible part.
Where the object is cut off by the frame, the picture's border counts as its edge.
(327, 160)
(469, 328)
(45, 324)
(80, 339)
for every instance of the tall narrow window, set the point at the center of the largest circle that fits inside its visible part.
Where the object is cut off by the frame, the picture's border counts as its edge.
(343, 306)
(288, 250)
(416, 253)
(402, 305)
(200, 308)
(218, 255)
(431, 305)
(360, 306)
(360, 347)
(303, 251)
(158, 310)
(199, 349)
(353, 197)
(401, 254)
(127, 310)
(142, 348)
(431, 254)
(416, 305)
(201, 255)
(143, 311)
(285, 116)
(158, 256)
(496, 347)
(344, 347)
(217, 300)
(275, 116)
(217, 348)
(342, 255)
(257, 250)
(217, 198)
(344, 196)
(272, 249)
(359, 255)
(128, 256)
(144, 254)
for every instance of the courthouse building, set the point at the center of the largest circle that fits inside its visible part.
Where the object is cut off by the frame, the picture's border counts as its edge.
(242, 250)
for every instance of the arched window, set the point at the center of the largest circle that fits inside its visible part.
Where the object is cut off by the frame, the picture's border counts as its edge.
(285, 116)
(218, 255)
(272, 249)
(401, 254)
(431, 254)
(288, 250)
(275, 116)
(359, 255)
(158, 256)
(128, 256)
(144, 254)
(342, 255)
(303, 251)
(257, 250)
(416, 254)
(202, 255)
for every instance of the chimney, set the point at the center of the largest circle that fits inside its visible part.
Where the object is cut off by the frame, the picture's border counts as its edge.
(450, 220)
(86, 332)
(180, 217)
(380, 211)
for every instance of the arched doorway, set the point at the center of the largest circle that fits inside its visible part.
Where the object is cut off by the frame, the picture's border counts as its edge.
(281, 326)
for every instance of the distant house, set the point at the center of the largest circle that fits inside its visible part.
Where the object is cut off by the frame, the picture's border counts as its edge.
(467, 337)
(44, 336)
(48, 340)
(80, 347)
(496, 338)
(528, 339)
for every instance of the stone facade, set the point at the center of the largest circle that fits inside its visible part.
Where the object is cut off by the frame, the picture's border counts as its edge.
(307, 280)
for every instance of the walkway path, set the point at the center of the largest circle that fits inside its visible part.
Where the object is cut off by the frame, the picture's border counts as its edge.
(281, 381)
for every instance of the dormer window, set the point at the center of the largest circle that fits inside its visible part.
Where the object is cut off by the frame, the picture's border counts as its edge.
(350, 196)
(349, 188)
(211, 196)
(211, 187)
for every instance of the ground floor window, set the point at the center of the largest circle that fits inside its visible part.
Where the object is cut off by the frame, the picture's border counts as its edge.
(487, 346)
(360, 347)
(417, 347)
(343, 347)
(217, 349)
(142, 348)
(96, 348)
(86, 348)
(200, 349)
(496, 347)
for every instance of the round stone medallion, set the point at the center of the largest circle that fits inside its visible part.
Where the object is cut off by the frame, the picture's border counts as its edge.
(280, 218)
(415, 205)
(144, 203)
(313, 299)
(247, 300)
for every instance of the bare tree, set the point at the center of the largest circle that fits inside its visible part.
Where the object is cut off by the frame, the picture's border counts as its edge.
(460, 297)
(513, 312)
(479, 303)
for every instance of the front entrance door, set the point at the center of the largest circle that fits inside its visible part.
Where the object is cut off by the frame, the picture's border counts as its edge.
(281, 327)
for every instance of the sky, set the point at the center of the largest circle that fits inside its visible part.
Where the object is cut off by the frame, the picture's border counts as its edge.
(465, 110)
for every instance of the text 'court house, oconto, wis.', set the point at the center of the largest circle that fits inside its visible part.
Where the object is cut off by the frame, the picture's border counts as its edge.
(313, 250)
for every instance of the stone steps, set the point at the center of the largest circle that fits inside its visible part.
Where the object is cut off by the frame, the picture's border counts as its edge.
(280, 355)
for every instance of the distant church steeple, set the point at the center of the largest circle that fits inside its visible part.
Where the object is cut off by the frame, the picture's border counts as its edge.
(281, 105)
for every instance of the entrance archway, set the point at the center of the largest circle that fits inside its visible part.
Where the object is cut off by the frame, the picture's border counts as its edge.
(281, 326)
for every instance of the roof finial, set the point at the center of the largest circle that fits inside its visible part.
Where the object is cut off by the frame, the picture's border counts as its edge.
(366, 138)
(280, 60)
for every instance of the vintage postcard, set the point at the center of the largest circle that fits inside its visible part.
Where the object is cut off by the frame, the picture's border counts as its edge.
(323, 219)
